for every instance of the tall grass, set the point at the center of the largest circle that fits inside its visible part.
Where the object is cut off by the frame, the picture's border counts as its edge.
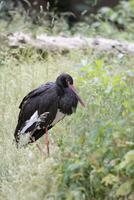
(91, 154)
(19, 73)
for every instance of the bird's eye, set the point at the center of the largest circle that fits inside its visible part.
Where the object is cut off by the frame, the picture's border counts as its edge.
(68, 82)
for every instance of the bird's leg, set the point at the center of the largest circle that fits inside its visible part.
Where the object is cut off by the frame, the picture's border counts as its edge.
(38, 146)
(40, 149)
(47, 141)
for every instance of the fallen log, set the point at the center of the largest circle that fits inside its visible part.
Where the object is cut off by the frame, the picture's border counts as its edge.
(62, 43)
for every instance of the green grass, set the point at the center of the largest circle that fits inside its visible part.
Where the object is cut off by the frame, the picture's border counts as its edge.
(91, 152)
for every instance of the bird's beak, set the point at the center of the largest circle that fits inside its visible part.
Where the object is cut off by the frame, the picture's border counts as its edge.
(78, 97)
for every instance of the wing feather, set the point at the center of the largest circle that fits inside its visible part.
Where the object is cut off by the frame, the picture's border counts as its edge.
(43, 99)
(36, 92)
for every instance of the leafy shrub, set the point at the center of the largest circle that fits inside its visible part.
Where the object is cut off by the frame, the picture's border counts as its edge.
(100, 162)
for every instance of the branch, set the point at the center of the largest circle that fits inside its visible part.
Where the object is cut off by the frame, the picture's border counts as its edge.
(63, 44)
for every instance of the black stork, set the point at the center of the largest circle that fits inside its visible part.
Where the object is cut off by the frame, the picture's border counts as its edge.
(45, 106)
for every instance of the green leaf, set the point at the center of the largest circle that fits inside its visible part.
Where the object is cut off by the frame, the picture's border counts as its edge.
(129, 157)
(124, 189)
(110, 179)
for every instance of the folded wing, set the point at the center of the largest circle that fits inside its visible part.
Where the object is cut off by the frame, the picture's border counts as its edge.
(37, 111)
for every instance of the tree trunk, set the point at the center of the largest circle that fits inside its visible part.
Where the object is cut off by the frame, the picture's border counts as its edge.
(66, 44)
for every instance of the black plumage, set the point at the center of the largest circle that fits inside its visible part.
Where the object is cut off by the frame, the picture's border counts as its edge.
(38, 109)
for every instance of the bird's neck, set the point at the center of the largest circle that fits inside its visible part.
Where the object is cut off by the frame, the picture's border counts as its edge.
(60, 90)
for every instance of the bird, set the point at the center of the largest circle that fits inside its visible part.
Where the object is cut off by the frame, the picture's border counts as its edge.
(42, 108)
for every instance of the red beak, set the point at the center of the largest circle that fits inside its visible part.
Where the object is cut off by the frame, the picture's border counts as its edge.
(78, 97)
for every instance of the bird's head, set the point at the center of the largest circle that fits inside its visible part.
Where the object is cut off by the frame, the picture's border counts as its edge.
(66, 81)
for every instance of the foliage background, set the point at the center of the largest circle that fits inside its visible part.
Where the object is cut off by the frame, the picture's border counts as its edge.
(92, 151)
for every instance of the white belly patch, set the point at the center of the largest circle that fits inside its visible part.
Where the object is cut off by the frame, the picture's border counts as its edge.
(59, 116)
